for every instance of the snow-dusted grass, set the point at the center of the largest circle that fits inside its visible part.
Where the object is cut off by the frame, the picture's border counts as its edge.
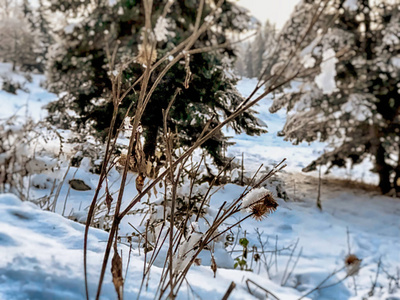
(42, 251)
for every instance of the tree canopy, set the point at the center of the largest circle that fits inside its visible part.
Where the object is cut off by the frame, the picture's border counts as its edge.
(78, 65)
(348, 94)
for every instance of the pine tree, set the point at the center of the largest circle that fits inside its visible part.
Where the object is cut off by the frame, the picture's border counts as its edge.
(257, 51)
(240, 66)
(262, 47)
(248, 61)
(252, 55)
(349, 96)
(78, 66)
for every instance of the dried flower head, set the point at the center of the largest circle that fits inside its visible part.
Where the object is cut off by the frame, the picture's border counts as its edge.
(259, 202)
(352, 263)
(146, 53)
(263, 207)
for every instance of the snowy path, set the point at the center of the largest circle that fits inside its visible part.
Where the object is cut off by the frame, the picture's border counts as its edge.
(27, 103)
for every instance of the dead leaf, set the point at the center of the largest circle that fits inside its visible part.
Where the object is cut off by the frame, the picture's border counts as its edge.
(213, 265)
(155, 191)
(139, 183)
(197, 261)
(149, 166)
(109, 200)
(116, 271)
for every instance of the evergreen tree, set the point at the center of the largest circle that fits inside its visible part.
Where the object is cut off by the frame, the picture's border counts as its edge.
(240, 66)
(78, 66)
(262, 47)
(256, 55)
(270, 44)
(248, 62)
(353, 100)
(252, 55)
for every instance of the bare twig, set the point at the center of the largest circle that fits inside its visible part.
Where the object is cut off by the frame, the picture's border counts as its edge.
(229, 291)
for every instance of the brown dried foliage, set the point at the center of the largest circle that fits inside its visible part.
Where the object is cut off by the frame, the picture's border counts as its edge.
(116, 271)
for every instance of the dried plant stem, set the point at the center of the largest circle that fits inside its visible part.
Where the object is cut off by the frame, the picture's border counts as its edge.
(93, 203)
(69, 189)
(175, 280)
(320, 285)
(372, 290)
(229, 291)
(260, 287)
(284, 278)
(53, 208)
(319, 205)
(294, 266)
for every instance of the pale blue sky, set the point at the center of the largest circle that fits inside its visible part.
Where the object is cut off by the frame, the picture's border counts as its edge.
(277, 11)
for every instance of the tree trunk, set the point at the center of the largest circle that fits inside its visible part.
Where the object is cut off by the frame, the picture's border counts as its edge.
(383, 170)
(150, 143)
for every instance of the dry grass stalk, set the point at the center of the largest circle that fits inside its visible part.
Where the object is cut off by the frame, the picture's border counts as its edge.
(175, 279)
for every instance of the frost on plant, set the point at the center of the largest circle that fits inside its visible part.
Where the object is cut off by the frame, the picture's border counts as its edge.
(161, 29)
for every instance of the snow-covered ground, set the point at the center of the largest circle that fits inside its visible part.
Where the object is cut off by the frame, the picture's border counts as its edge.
(42, 251)
(269, 148)
(27, 103)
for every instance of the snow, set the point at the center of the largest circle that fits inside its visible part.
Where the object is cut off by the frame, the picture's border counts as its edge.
(28, 103)
(269, 148)
(357, 106)
(326, 80)
(254, 196)
(351, 5)
(53, 265)
(308, 61)
(161, 29)
(70, 28)
(396, 61)
(42, 251)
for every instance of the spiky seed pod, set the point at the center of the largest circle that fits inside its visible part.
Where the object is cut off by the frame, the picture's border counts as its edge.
(262, 208)
(352, 263)
(146, 52)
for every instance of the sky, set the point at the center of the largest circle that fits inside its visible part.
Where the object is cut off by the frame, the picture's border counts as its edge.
(277, 12)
